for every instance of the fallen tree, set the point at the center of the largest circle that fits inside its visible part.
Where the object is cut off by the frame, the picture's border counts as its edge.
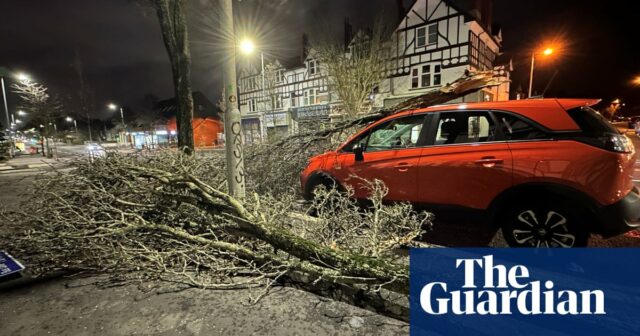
(168, 217)
(282, 160)
(155, 218)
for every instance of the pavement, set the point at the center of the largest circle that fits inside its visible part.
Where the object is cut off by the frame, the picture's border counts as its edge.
(77, 306)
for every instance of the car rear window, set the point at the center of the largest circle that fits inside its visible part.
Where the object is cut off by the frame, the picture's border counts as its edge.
(591, 122)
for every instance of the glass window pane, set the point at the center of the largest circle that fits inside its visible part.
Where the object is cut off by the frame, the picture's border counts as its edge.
(437, 79)
(465, 127)
(518, 129)
(396, 134)
(426, 80)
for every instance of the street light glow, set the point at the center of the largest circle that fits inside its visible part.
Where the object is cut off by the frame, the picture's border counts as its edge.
(22, 77)
(22, 113)
(69, 119)
(636, 80)
(112, 106)
(247, 46)
(548, 51)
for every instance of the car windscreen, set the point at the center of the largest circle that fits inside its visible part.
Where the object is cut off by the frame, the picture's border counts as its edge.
(591, 122)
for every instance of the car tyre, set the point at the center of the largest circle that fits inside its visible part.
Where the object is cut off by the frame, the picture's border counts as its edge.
(544, 223)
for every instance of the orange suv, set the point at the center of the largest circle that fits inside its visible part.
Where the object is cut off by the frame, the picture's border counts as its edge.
(549, 172)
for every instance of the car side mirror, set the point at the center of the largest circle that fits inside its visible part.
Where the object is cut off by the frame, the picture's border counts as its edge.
(357, 151)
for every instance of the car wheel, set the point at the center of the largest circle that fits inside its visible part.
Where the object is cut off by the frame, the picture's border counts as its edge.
(544, 224)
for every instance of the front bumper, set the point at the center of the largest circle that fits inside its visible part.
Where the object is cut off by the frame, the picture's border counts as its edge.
(620, 217)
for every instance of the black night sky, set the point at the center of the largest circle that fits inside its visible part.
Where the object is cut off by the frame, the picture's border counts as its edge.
(119, 45)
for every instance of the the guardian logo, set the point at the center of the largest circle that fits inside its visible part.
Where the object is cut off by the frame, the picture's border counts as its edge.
(490, 289)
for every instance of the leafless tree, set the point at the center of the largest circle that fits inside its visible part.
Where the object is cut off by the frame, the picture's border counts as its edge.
(354, 73)
(43, 108)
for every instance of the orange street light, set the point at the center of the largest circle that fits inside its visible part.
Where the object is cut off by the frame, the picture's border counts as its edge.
(546, 52)
(636, 80)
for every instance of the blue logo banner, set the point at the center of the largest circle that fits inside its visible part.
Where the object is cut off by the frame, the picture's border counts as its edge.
(482, 291)
(8, 265)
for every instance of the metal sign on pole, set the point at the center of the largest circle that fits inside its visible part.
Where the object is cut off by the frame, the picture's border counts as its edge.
(232, 122)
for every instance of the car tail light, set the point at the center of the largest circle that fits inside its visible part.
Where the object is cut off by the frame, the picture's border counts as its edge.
(618, 143)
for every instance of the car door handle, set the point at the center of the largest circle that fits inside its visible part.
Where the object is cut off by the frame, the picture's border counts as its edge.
(403, 166)
(489, 161)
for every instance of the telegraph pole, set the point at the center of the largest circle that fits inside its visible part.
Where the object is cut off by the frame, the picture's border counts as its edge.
(232, 122)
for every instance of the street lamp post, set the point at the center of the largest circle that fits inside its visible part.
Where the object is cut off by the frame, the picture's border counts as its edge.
(546, 52)
(232, 121)
(75, 125)
(113, 107)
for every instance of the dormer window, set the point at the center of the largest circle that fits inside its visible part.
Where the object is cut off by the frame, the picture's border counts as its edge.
(312, 67)
(250, 83)
(279, 76)
(427, 35)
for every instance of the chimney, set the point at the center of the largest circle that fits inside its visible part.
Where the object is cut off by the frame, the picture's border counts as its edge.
(305, 46)
(476, 11)
(483, 12)
(401, 10)
(348, 33)
(487, 14)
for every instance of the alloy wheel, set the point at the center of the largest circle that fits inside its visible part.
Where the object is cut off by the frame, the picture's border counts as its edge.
(542, 229)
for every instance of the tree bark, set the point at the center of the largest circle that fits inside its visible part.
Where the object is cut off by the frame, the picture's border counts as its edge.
(173, 23)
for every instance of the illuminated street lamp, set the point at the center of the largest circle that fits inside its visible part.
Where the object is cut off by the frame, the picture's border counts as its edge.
(23, 77)
(22, 113)
(636, 81)
(546, 52)
(69, 119)
(114, 107)
(247, 46)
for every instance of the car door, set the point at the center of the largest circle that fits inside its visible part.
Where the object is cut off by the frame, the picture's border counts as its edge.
(391, 152)
(465, 161)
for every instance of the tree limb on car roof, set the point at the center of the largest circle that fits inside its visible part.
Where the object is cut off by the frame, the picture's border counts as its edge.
(470, 82)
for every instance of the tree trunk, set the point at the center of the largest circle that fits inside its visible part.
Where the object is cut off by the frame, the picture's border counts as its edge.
(173, 23)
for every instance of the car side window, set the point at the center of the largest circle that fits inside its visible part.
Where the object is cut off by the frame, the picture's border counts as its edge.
(515, 128)
(395, 134)
(465, 127)
(360, 141)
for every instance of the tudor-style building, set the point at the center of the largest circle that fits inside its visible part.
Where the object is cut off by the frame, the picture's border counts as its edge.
(435, 42)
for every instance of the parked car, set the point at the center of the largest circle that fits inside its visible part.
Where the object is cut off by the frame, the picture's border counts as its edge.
(632, 121)
(547, 171)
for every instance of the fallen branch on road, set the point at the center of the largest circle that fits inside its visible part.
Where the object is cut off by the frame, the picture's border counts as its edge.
(158, 219)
